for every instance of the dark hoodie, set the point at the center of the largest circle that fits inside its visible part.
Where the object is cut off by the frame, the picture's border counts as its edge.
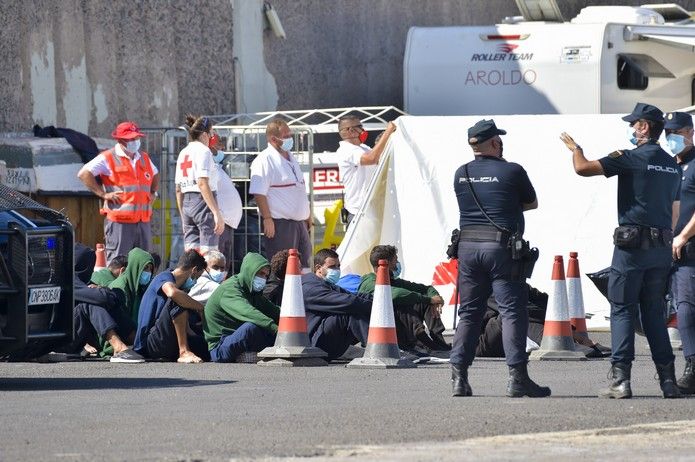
(233, 303)
(84, 265)
(322, 299)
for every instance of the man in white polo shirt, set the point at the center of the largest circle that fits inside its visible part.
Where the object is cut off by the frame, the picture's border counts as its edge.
(357, 161)
(277, 183)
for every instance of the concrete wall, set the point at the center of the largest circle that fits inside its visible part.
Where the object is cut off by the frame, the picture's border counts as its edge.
(88, 64)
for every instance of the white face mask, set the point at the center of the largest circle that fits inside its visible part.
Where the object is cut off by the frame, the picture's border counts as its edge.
(133, 146)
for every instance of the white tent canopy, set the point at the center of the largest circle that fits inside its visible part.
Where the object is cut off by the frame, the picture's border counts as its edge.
(411, 203)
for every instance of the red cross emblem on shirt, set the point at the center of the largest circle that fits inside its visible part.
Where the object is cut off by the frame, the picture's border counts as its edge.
(185, 165)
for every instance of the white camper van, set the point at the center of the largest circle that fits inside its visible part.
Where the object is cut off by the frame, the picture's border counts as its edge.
(602, 61)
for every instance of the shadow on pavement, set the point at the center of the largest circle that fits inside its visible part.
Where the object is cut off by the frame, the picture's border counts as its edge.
(100, 383)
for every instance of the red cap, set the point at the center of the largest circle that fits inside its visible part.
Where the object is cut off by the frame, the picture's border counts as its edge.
(127, 131)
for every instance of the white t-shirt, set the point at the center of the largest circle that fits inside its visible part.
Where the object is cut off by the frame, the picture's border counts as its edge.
(282, 182)
(228, 199)
(195, 161)
(99, 166)
(354, 176)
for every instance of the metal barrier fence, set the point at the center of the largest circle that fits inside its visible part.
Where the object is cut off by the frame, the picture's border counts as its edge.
(244, 137)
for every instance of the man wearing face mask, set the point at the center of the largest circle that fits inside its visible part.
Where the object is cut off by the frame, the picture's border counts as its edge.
(679, 136)
(335, 317)
(129, 184)
(239, 320)
(163, 330)
(277, 183)
(648, 204)
(211, 278)
(357, 161)
(492, 195)
(413, 303)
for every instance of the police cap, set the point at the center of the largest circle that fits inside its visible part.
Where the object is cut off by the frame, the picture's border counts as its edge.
(646, 112)
(483, 130)
(677, 120)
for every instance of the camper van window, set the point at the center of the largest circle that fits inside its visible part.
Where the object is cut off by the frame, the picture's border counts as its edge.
(630, 77)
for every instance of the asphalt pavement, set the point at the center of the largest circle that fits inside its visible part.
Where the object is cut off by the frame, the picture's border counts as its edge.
(159, 411)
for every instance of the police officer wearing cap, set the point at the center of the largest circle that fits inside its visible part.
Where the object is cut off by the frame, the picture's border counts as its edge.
(648, 202)
(492, 195)
(679, 137)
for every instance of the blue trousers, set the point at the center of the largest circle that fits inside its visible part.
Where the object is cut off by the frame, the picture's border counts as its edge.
(683, 288)
(248, 337)
(485, 269)
(637, 284)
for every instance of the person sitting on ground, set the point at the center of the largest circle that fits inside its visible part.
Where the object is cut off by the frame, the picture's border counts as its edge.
(276, 280)
(134, 280)
(413, 303)
(130, 286)
(98, 313)
(238, 318)
(106, 276)
(163, 330)
(211, 278)
(490, 341)
(335, 317)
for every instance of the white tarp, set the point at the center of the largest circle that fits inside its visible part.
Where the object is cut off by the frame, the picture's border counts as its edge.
(412, 204)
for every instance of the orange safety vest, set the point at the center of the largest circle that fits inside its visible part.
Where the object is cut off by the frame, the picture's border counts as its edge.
(134, 184)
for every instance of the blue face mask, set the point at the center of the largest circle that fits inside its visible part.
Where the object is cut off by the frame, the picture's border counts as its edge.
(631, 135)
(219, 157)
(287, 144)
(217, 276)
(397, 270)
(190, 282)
(145, 278)
(258, 284)
(676, 143)
(332, 276)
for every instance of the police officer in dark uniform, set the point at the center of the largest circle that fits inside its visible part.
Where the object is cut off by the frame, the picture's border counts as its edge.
(492, 196)
(648, 195)
(679, 136)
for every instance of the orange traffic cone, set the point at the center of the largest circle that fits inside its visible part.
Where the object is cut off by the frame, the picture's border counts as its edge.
(382, 343)
(557, 343)
(575, 298)
(101, 258)
(292, 346)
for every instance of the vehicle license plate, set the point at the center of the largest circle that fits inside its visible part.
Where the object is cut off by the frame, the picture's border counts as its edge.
(44, 296)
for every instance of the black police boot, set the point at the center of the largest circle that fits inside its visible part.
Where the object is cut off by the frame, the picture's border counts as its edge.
(459, 381)
(620, 382)
(667, 380)
(520, 384)
(686, 384)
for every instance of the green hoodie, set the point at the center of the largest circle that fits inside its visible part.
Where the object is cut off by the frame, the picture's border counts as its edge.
(102, 278)
(129, 281)
(403, 293)
(233, 303)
